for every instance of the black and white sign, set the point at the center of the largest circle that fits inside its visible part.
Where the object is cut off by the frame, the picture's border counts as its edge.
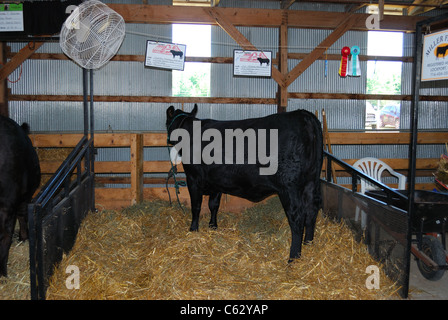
(165, 55)
(435, 52)
(252, 63)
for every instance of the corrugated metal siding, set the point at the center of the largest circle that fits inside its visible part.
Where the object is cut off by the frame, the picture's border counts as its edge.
(223, 84)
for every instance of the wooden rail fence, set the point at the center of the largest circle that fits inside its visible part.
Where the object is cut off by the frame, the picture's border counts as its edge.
(113, 198)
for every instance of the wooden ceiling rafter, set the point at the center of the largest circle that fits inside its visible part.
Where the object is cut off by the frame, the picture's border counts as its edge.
(161, 14)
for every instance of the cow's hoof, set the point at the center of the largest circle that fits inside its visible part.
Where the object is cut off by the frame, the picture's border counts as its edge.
(213, 226)
(291, 260)
(194, 229)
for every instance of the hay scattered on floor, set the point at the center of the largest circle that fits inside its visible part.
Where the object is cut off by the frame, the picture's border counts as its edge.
(17, 285)
(147, 252)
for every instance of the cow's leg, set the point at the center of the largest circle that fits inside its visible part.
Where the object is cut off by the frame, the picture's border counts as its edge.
(22, 216)
(312, 209)
(7, 221)
(292, 204)
(213, 204)
(196, 203)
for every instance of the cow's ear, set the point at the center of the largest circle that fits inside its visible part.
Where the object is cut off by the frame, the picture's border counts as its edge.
(195, 110)
(170, 112)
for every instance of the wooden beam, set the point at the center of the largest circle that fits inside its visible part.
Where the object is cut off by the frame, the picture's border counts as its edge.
(3, 84)
(158, 99)
(158, 139)
(18, 59)
(361, 96)
(292, 55)
(136, 168)
(283, 64)
(226, 100)
(239, 38)
(251, 17)
(347, 22)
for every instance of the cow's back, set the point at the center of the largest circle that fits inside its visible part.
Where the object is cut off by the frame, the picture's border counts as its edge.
(299, 157)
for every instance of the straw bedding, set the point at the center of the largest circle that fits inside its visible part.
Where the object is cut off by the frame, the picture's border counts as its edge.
(147, 252)
(17, 285)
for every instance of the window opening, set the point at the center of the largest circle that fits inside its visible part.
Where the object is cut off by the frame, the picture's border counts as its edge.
(384, 77)
(194, 81)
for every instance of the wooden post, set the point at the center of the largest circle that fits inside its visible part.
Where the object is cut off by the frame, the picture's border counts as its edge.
(136, 168)
(3, 84)
(283, 64)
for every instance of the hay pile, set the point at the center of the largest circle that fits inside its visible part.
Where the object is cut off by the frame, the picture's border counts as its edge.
(147, 252)
(49, 155)
(17, 285)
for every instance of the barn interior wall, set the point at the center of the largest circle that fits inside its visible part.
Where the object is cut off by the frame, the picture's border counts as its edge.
(63, 77)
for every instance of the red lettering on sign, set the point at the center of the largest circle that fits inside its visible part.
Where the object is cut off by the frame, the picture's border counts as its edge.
(165, 48)
(252, 56)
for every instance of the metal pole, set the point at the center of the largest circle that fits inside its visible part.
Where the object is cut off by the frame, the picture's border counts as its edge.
(92, 147)
(84, 90)
(416, 76)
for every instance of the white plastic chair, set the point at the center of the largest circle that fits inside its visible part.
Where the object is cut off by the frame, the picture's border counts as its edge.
(374, 168)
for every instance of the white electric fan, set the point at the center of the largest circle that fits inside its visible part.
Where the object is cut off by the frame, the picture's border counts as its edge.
(92, 34)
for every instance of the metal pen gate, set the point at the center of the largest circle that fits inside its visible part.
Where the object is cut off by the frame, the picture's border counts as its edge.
(385, 232)
(55, 214)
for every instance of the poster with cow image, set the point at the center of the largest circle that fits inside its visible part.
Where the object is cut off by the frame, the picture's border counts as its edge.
(165, 55)
(252, 63)
(435, 60)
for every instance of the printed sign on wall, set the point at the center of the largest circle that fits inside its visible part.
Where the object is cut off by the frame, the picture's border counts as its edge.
(165, 55)
(252, 63)
(11, 17)
(435, 60)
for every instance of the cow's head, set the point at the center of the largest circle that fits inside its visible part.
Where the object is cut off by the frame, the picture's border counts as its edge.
(175, 118)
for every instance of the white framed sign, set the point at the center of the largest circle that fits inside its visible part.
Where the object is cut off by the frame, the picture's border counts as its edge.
(252, 63)
(165, 55)
(435, 56)
(11, 17)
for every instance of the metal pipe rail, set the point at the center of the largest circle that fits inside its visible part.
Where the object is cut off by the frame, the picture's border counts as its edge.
(357, 175)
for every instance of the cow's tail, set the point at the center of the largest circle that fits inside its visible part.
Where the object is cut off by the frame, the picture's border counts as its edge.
(317, 153)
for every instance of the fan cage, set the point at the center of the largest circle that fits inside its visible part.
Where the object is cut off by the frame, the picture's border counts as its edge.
(92, 34)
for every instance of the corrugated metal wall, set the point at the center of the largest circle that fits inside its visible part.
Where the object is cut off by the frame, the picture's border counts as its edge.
(132, 78)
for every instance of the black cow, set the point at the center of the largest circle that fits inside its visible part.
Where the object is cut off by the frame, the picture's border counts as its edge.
(441, 51)
(19, 179)
(263, 61)
(177, 53)
(295, 180)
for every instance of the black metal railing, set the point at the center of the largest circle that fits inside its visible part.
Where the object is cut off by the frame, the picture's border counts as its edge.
(56, 213)
(380, 225)
(357, 175)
